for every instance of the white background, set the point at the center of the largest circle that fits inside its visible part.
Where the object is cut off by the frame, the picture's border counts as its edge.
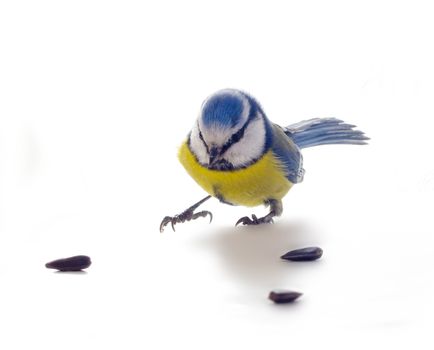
(96, 97)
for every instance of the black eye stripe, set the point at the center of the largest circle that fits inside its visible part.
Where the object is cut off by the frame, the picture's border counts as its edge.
(235, 137)
(203, 140)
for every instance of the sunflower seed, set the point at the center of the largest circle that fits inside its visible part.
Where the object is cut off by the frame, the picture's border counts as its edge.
(281, 296)
(304, 254)
(73, 263)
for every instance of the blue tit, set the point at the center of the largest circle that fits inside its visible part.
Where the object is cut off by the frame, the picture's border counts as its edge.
(237, 155)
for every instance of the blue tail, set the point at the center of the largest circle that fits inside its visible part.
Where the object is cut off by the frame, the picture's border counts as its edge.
(324, 131)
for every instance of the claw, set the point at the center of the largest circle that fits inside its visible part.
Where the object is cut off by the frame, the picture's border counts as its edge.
(185, 216)
(203, 213)
(172, 219)
(245, 220)
(164, 223)
(240, 220)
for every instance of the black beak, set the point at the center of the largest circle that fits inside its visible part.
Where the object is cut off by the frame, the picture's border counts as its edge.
(213, 155)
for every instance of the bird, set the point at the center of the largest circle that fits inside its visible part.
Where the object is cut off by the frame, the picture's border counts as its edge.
(239, 156)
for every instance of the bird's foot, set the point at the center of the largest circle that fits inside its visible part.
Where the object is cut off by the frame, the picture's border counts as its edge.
(245, 220)
(186, 215)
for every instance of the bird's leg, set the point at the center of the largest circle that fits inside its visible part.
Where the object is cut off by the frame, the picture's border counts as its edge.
(186, 215)
(276, 209)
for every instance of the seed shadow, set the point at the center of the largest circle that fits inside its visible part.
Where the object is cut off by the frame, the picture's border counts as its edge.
(81, 272)
(251, 255)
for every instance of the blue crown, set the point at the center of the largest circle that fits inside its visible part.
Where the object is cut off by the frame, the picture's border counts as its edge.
(222, 109)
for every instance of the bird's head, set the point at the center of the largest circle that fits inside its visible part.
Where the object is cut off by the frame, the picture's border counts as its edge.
(231, 131)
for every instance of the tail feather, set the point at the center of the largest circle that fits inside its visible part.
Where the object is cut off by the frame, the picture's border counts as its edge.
(324, 131)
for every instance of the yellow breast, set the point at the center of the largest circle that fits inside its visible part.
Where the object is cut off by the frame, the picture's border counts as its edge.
(250, 187)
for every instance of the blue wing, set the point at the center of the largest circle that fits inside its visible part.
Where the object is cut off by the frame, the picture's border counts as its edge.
(289, 155)
(324, 131)
(288, 141)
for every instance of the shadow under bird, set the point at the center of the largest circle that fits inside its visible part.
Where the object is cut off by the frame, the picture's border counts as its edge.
(236, 154)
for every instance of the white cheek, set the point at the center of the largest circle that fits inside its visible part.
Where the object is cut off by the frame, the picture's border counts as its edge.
(197, 146)
(250, 147)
